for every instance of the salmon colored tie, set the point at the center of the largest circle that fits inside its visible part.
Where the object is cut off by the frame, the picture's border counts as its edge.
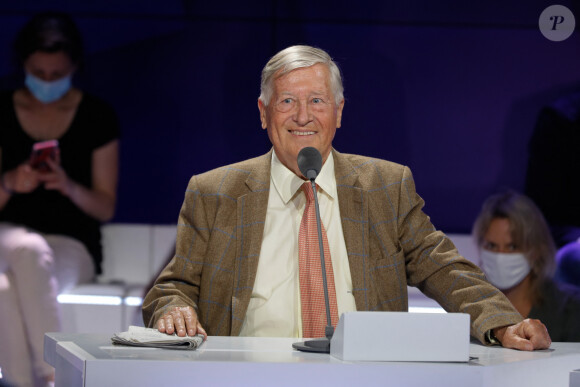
(311, 285)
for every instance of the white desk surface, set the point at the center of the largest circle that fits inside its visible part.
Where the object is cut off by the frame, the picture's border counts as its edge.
(92, 360)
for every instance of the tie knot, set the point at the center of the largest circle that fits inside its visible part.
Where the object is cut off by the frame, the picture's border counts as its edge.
(307, 188)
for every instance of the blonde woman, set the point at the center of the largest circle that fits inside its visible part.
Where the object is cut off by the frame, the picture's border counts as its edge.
(517, 255)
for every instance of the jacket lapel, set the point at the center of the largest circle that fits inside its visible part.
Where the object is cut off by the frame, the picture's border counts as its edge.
(353, 204)
(250, 220)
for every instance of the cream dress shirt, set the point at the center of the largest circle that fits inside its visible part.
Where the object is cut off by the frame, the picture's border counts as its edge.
(274, 309)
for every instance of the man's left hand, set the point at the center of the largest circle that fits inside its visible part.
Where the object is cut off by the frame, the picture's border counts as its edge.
(527, 335)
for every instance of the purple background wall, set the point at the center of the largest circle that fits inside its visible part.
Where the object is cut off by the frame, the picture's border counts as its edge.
(450, 88)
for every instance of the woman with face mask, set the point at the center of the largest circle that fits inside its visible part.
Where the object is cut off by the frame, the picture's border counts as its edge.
(50, 212)
(517, 256)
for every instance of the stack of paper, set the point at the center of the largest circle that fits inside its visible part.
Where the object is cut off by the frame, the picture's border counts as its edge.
(149, 337)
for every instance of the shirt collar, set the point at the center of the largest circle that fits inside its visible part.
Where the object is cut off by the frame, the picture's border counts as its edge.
(287, 183)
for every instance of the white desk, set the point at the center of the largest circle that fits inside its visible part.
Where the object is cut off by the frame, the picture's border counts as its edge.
(91, 360)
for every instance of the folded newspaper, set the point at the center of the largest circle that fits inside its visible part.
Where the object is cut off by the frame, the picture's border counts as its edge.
(150, 337)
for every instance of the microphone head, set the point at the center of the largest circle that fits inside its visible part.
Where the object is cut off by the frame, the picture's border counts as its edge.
(310, 162)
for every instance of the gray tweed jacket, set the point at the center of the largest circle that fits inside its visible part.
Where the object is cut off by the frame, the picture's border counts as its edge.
(390, 241)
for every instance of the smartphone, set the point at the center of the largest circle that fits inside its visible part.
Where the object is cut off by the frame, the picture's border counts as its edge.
(41, 151)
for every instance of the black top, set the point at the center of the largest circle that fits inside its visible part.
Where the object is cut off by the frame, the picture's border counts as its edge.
(559, 311)
(94, 125)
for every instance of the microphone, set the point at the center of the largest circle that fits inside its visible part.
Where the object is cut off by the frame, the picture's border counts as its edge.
(310, 164)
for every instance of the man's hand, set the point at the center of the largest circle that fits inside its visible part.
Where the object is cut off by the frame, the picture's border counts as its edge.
(526, 336)
(180, 320)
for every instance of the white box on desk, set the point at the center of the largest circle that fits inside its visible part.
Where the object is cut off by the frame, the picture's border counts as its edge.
(575, 378)
(401, 336)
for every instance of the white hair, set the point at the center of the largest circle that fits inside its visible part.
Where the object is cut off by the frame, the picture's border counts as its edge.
(295, 57)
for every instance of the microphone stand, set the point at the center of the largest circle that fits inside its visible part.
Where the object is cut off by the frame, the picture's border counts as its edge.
(321, 345)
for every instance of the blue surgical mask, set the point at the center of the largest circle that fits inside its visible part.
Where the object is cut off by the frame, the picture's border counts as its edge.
(47, 91)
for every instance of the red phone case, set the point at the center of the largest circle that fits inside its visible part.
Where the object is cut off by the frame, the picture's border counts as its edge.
(41, 151)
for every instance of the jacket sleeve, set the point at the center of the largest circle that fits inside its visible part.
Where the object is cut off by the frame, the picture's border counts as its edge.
(434, 265)
(179, 283)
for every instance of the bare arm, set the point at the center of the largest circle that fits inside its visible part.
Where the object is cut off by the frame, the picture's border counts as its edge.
(22, 179)
(4, 195)
(99, 201)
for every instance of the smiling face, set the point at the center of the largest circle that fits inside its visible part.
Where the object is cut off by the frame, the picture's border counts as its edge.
(301, 113)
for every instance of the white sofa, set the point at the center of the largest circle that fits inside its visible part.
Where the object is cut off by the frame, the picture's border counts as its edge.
(133, 255)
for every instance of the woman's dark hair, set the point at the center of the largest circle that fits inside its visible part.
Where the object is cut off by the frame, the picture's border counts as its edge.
(49, 32)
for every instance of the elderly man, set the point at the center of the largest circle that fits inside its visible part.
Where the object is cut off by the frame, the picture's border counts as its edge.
(242, 266)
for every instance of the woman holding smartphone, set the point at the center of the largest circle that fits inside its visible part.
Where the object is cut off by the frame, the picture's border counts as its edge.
(50, 216)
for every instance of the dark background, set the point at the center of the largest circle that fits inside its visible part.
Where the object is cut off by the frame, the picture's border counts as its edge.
(450, 88)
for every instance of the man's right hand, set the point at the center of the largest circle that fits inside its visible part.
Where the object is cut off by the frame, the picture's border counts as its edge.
(180, 320)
